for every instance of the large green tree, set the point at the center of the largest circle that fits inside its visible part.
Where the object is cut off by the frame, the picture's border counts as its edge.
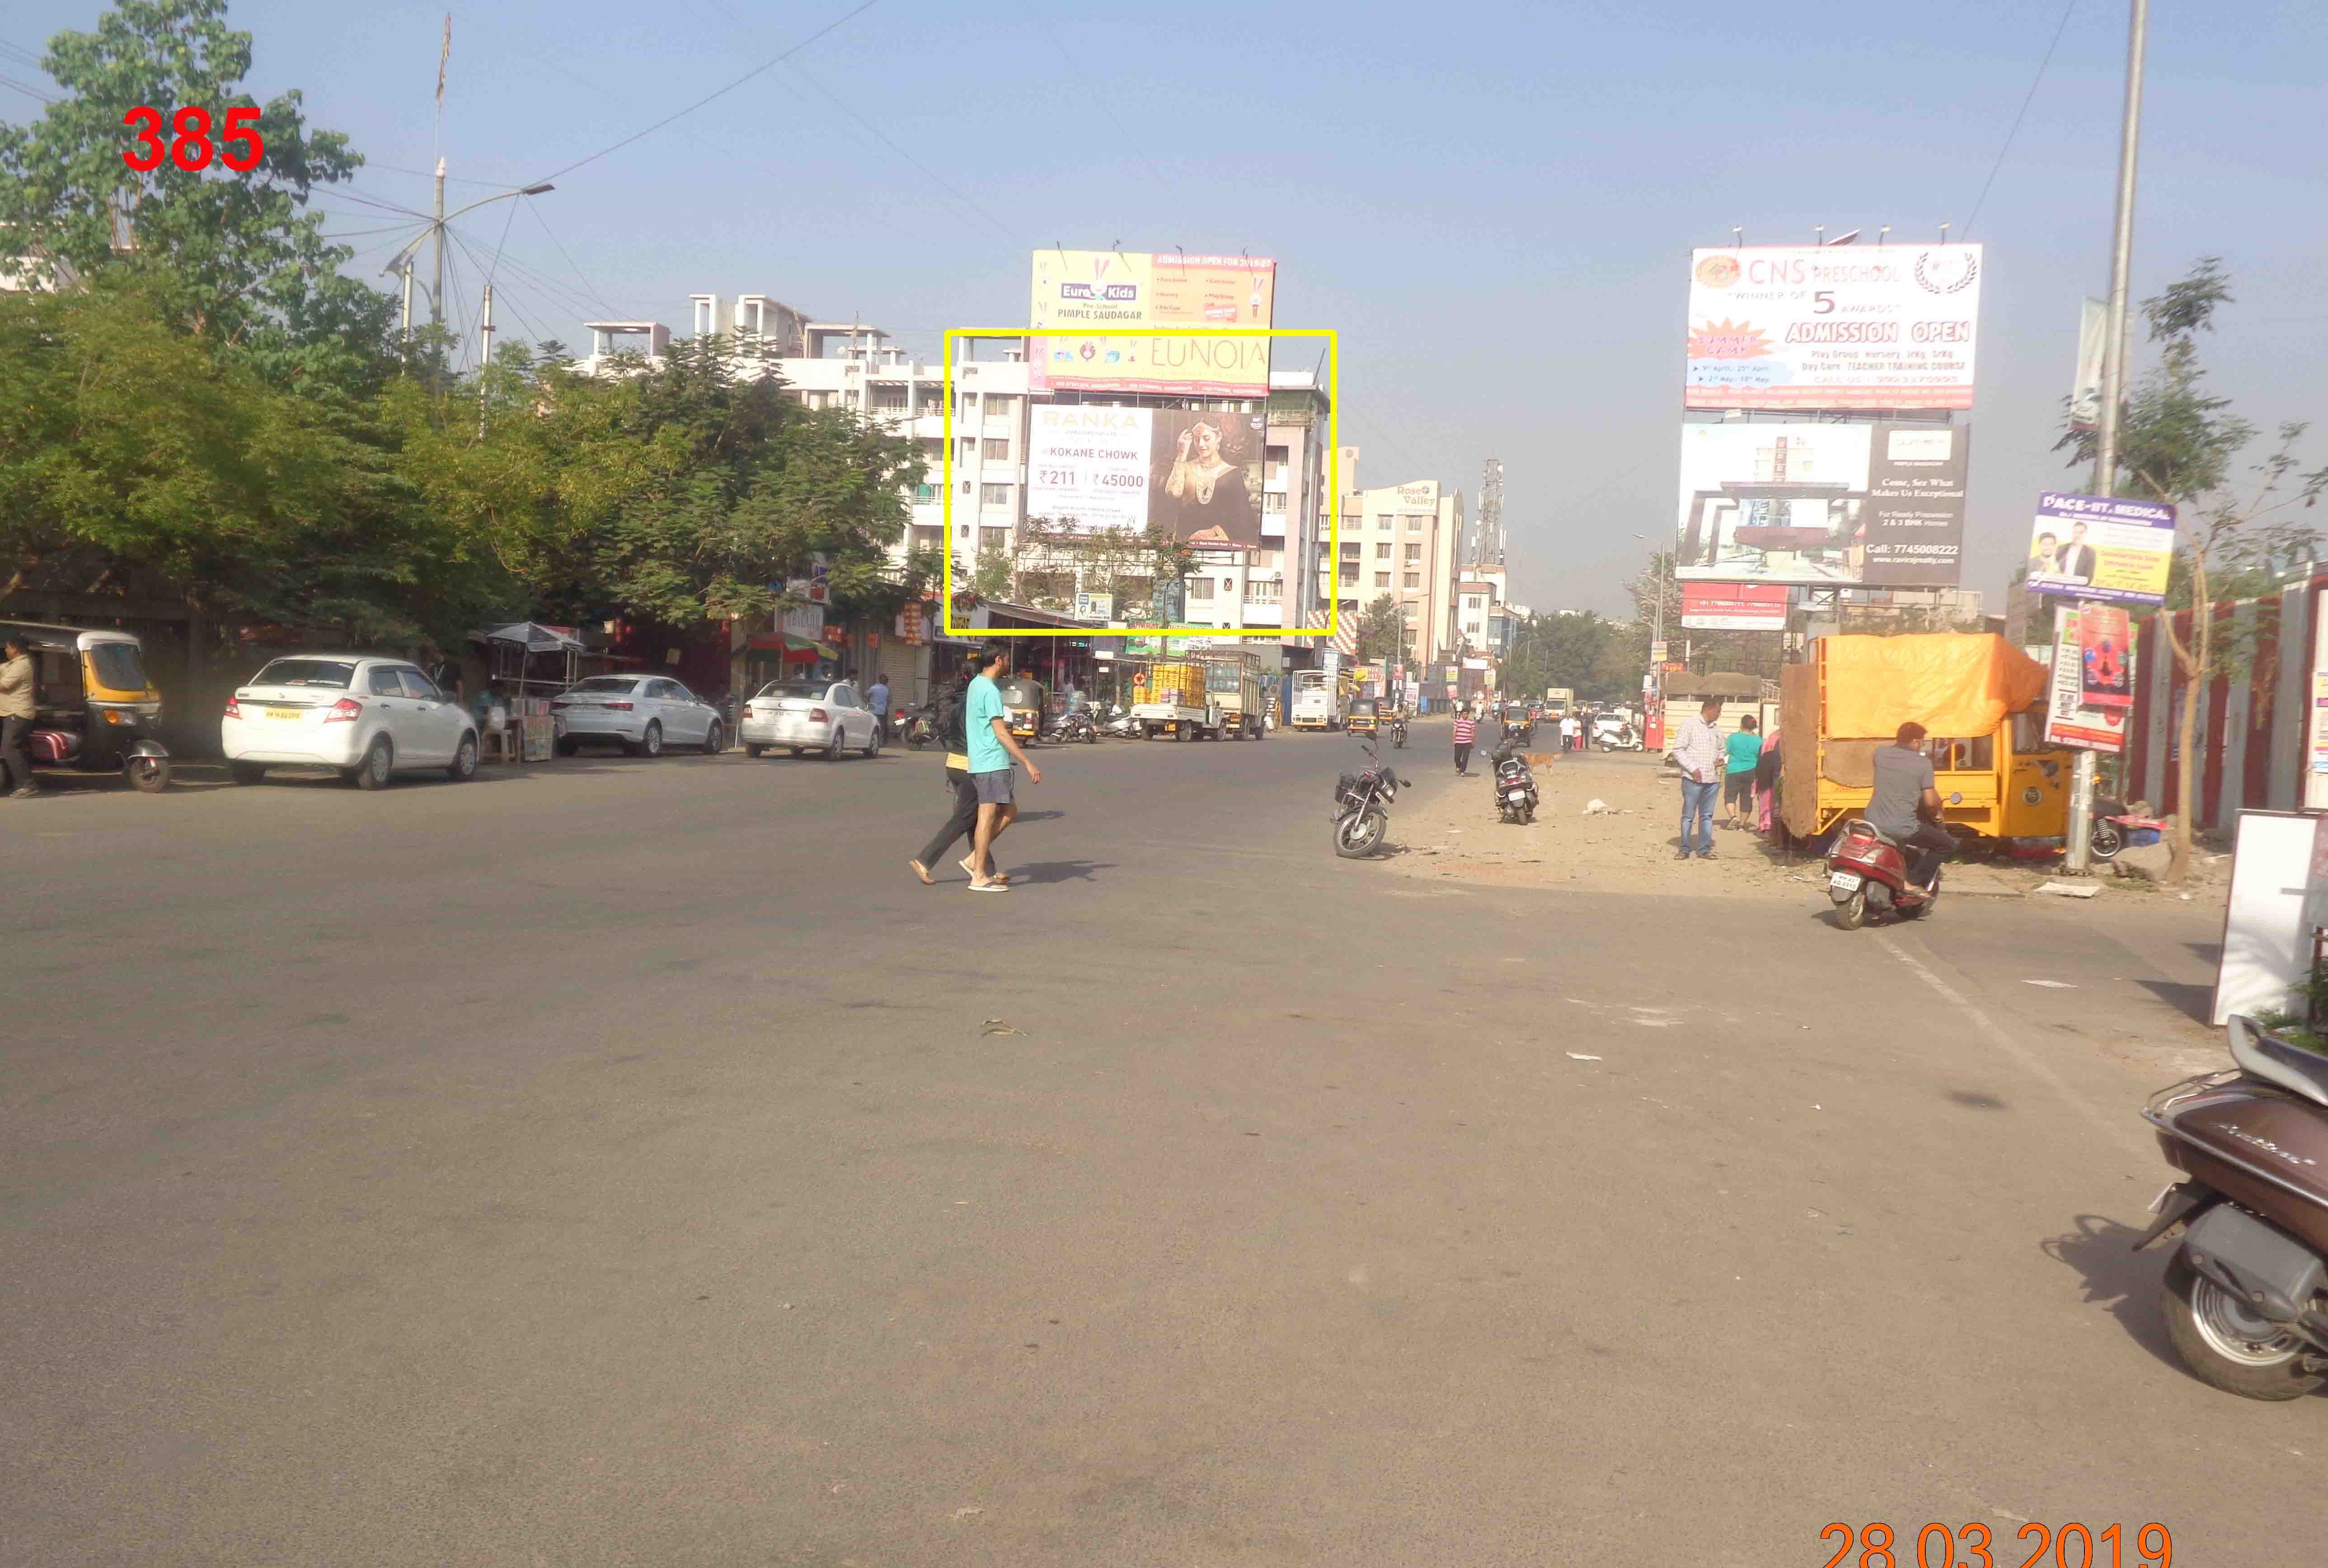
(676, 494)
(235, 257)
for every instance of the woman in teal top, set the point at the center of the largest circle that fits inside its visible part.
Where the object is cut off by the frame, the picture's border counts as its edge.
(1743, 749)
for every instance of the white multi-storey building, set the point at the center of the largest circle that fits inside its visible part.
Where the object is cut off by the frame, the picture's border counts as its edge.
(853, 365)
(1400, 541)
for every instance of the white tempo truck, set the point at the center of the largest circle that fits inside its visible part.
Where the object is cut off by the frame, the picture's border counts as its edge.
(1317, 700)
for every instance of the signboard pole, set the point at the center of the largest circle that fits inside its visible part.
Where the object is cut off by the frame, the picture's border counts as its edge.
(2081, 799)
(2081, 775)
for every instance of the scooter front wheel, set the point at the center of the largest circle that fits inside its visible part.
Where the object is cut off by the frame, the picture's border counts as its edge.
(2225, 1345)
(2108, 839)
(1851, 913)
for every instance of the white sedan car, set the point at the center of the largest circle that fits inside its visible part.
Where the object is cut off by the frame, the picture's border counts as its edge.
(809, 715)
(646, 713)
(367, 716)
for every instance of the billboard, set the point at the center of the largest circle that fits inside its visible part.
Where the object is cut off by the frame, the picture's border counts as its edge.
(1823, 505)
(1135, 289)
(1733, 607)
(2071, 717)
(1810, 326)
(1194, 474)
(2101, 548)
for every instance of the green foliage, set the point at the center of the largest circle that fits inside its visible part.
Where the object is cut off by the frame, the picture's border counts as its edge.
(1381, 630)
(232, 257)
(1576, 650)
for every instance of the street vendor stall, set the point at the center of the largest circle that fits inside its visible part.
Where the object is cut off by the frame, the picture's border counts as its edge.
(527, 664)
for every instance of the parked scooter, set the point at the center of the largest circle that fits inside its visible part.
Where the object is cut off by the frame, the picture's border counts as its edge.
(916, 727)
(2114, 827)
(1120, 726)
(1075, 725)
(1867, 870)
(1611, 734)
(2246, 1295)
(1514, 784)
(1362, 805)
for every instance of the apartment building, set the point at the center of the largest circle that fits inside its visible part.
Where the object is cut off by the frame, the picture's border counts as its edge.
(856, 366)
(1400, 541)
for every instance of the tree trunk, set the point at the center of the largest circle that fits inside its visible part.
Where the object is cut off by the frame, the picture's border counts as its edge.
(2178, 860)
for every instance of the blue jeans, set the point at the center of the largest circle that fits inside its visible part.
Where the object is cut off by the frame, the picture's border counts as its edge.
(1697, 805)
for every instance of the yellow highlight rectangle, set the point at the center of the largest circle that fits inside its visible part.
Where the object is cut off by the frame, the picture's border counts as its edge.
(1333, 486)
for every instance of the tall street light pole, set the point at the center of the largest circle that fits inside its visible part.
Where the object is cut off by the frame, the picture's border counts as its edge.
(434, 236)
(2113, 357)
(1652, 724)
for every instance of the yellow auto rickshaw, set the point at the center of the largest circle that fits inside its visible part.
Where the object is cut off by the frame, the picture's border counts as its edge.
(1365, 717)
(1022, 706)
(95, 709)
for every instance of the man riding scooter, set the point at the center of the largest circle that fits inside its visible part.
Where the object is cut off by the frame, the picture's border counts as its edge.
(1906, 805)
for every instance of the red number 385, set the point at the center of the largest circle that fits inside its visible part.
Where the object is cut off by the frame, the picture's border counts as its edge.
(239, 147)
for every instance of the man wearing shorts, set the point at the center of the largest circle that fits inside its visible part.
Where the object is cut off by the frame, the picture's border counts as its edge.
(992, 750)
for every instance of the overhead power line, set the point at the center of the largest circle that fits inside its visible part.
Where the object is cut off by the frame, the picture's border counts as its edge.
(2026, 102)
(760, 69)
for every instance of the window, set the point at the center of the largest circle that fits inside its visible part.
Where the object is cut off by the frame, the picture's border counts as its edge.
(1001, 406)
(416, 685)
(933, 450)
(1382, 551)
(1414, 554)
(1272, 462)
(1349, 576)
(333, 673)
(889, 397)
(844, 696)
(1413, 581)
(1272, 500)
(384, 683)
(1264, 591)
(968, 444)
(1353, 521)
(994, 538)
(925, 492)
(1381, 521)
(1381, 579)
(994, 495)
(1350, 548)
(1200, 587)
(1414, 522)
(998, 450)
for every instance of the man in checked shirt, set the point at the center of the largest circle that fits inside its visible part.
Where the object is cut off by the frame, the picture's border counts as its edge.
(1697, 750)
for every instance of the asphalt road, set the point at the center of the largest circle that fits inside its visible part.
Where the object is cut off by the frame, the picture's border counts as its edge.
(628, 1163)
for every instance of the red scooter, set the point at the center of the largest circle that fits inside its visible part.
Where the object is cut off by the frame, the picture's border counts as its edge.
(1866, 869)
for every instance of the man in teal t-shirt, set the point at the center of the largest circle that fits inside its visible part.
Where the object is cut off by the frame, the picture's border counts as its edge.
(992, 748)
(1742, 751)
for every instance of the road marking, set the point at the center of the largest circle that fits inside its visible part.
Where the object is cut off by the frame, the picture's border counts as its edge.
(2118, 1132)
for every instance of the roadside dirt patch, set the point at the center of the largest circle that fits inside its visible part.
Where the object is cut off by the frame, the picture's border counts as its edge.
(1452, 832)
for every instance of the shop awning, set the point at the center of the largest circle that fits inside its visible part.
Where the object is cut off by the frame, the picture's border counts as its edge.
(791, 647)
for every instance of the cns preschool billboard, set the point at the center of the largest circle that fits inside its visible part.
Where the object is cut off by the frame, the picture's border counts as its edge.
(1153, 294)
(1804, 327)
(1195, 475)
(1823, 505)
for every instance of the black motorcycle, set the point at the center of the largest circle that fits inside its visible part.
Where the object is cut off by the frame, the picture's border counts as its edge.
(1398, 732)
(1515, 797)
(1362, 805)
(1075, 725)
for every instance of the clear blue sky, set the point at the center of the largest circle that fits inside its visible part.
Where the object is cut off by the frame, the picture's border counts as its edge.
(1487, 201)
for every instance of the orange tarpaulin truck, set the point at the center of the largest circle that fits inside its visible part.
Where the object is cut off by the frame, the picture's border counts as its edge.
(1982, 699)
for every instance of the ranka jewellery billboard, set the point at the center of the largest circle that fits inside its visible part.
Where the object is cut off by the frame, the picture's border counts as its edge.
(1119, 289)
(1879, 504)
(1836, 326)
(1194, 474)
